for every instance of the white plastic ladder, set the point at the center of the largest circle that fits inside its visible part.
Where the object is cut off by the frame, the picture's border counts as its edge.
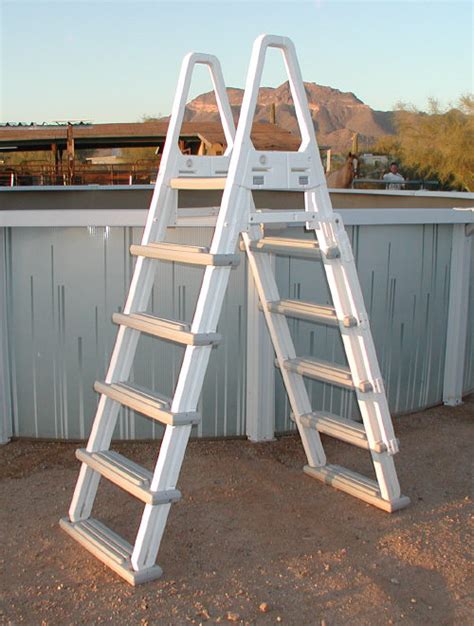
(239, 171)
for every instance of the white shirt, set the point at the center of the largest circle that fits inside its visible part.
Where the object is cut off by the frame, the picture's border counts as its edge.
(395, 179)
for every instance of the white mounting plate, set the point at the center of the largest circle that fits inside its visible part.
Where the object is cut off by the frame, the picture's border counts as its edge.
(280, 170)
(190, 165)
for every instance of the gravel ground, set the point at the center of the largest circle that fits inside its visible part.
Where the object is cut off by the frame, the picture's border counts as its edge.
(254, 540)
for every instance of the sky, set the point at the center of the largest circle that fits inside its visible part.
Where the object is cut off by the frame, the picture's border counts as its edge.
(117, 61)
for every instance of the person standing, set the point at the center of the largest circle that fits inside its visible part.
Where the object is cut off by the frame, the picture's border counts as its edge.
(394, 179)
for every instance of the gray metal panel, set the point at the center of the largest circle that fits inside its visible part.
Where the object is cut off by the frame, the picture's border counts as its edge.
(404, 274)
(65, 285)
(468, 384)
(6, 410)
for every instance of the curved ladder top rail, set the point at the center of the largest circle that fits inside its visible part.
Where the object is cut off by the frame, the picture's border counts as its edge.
(254, 76)
(171, 152)
(182, 92)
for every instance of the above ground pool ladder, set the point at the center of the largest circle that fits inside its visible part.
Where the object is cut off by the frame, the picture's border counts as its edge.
(239, 171)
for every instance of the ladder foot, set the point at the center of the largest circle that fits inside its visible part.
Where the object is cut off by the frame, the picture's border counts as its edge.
(356, 485)
(109, 548)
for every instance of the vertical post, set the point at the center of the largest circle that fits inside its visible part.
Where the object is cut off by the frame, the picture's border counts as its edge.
(54, 152)
(5, 398)
(273, 113)
(260, 424)
(457, 317)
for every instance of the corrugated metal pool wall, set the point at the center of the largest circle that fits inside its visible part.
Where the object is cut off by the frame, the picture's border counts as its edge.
(404, 272)
(65, 283)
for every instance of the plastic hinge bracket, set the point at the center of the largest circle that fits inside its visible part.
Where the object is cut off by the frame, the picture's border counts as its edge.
(377, 385)
(392, 446)
(363, 320)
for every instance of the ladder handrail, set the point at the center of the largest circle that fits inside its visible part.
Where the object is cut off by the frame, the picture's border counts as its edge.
(182, 92)
(295, 79)
(171, 152)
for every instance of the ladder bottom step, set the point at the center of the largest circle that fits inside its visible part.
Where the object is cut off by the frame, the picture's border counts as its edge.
(109, 548)
(355, 485)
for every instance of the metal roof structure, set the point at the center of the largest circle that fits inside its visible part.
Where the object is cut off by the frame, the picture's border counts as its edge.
(141, 134)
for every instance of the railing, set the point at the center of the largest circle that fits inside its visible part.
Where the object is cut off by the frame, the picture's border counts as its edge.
(379, 183)
(29, 174)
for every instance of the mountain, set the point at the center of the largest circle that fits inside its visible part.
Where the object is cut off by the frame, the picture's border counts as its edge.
(336, 115)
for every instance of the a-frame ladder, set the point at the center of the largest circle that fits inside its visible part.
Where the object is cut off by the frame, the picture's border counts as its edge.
(241, 170)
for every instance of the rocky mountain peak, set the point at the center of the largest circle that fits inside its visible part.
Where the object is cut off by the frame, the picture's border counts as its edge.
(336, 115)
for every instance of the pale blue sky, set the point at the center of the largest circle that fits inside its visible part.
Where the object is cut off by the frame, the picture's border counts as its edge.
(112, 61)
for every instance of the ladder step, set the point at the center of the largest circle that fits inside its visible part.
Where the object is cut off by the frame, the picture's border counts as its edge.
(147, 402)
(340, 428)
(170, 330)
(356, 485)
(307, 248)
(110, 548)
(194, 255)
(309, 311)
(128, 475)
(198, 183)
(326, 372)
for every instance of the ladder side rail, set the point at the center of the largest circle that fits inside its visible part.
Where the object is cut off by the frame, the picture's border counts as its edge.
(360, 352)
(318, 198)
(359, 349)
(193, 368)
(345, 287)
(349, 297)
(121, 360)
(191, 377)
(164, 203)
(277, 324)
(107, 409)
(185, 398)
(154, 518)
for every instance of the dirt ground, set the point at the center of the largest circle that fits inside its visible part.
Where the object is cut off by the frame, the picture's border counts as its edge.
(252, 529)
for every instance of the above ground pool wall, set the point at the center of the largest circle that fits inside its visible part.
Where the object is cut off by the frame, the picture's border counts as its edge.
(60, 285)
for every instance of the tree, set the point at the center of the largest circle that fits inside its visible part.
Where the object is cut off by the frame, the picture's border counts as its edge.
(437, 143)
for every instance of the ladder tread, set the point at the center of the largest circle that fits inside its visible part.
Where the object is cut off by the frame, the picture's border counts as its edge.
(302, 309)
(286, 246)
(326, 372)
(110, 548)
(128, 475)
(356, 485)
(170, 330)
(147, 402)
(181, 253)
(202, 183)
(340, 428)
